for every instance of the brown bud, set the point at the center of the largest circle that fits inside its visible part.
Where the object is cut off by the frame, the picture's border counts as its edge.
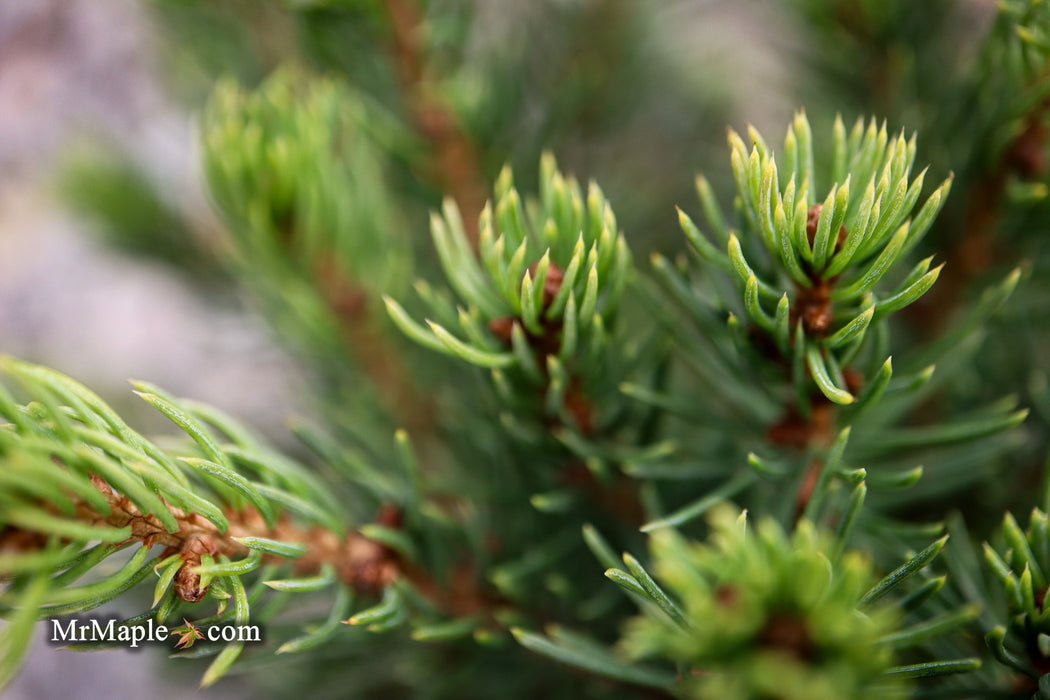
(188, 585)
(727, 595)
(389, 515)
(813, 307)
(369, 566)
(551, 284)
(187, 582)
(854, 380)
(816, 319)
(812, 219)
(503, 329)
(787, 633)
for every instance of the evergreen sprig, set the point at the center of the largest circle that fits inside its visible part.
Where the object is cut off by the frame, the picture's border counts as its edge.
(811, 385)
(542, 300)
(231, 518)
(299, 170)
(296, 170)
(813, 288)
(756, 612)
(1019, 571)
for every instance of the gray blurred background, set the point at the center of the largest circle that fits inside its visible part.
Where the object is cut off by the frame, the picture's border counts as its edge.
(70, 71)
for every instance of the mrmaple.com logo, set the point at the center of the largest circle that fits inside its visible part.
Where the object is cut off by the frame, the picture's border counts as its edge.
(99, 630)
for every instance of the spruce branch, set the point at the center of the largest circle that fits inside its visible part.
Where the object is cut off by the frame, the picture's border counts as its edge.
(542, 296)
(80, 485)
(234, 521)
(298, 171)
(818, 277)
(761, 454)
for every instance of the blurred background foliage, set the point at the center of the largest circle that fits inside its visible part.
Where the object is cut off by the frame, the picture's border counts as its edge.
(432, 98)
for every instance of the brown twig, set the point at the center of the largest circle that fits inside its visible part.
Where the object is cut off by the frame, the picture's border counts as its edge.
(359, 562)
(547, 343)
(455, 166)
(372, 349)
(365, 565)
(813, 307)
(976, 249)
(620, 496)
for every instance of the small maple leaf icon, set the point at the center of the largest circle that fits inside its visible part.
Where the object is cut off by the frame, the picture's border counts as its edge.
(188, 634)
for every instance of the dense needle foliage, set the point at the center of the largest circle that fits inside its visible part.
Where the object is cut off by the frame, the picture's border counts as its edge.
(787, 432)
